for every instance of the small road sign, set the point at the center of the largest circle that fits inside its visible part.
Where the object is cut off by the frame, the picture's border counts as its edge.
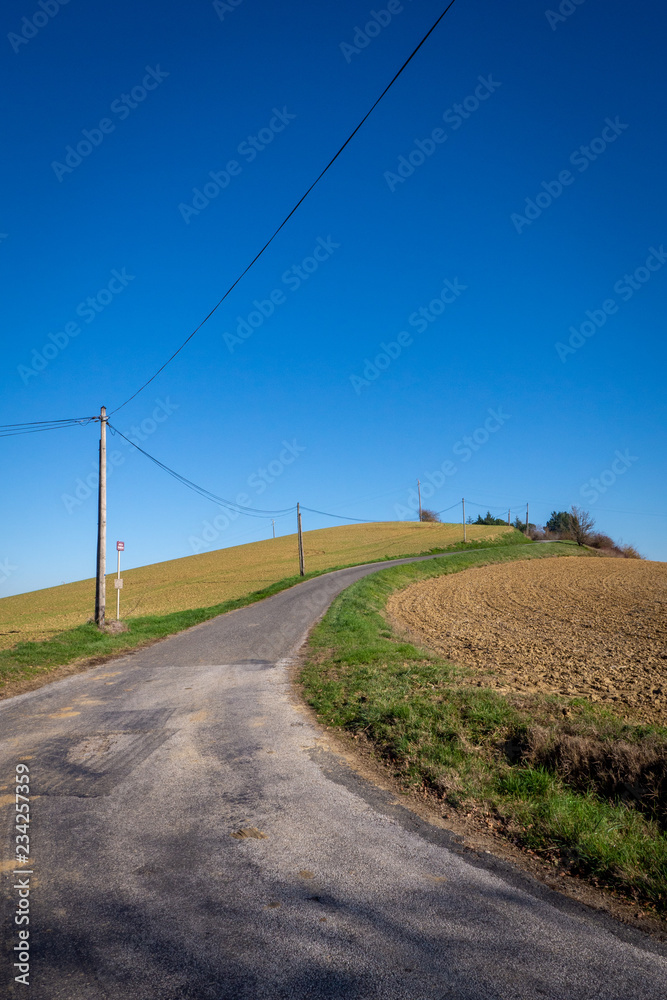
(118, 583)
(120, 546)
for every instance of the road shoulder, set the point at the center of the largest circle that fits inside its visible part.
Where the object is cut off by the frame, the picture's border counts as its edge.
(353, 762)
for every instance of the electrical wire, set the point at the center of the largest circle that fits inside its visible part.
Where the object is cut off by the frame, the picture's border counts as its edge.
(9, 430)
(207, 494)
(444, 511)
(339, 517)
(489, 508)
(289, 216)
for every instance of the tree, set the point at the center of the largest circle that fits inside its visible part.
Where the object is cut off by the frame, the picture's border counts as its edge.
(581, 525)
(558, 523)
(430, 515)
(490, 519)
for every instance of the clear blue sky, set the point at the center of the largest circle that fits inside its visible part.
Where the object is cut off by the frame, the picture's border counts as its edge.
(569, 107)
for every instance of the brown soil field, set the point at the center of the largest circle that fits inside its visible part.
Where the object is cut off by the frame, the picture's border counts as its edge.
(594, 628)
(212, 577)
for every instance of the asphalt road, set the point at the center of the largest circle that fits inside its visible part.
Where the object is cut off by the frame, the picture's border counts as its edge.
(143, 768)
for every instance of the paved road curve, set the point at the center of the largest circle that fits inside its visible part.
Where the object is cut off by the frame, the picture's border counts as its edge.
(143, 768)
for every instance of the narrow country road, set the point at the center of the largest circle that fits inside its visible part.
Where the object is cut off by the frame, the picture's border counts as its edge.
(143, 768)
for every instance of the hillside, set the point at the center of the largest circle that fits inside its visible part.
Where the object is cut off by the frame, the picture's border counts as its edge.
(212, 577)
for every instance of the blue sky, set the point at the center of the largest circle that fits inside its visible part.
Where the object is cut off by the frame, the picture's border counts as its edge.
(507, 196)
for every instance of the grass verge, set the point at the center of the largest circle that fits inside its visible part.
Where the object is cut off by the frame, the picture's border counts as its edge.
(86, 643)
(561, 777)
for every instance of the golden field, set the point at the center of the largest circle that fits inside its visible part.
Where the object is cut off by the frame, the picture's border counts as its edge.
(212, 577)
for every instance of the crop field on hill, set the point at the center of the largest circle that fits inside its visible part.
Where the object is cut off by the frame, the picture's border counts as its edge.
(213, 577)
(592, 628)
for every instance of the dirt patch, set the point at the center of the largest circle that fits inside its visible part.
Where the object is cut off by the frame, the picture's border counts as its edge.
(593, 628)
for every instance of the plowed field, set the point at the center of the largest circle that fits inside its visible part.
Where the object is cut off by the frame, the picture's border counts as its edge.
(579, 627)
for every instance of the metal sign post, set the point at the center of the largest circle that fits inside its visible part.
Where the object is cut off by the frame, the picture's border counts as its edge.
(120, 547)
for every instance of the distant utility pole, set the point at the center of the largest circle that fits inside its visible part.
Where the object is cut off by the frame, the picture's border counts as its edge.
(509, 514)
(526, 517)
(419, 492)
(463, 501)
(100, 589)
(274, 527)
(302, 566)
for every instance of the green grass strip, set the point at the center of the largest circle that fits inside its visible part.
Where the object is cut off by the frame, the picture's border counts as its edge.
(438, 730)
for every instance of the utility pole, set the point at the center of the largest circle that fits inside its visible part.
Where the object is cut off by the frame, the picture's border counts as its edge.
(463, 501)
(509, 514)
(100, 590)
(302, 566)
(274, 527)
(526, 518)
(419, 492)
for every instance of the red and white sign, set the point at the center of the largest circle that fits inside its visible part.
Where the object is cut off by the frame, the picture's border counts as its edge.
(120, 546)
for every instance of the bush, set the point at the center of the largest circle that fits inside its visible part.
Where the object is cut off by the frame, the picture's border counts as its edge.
(600, 541)
(630, 552)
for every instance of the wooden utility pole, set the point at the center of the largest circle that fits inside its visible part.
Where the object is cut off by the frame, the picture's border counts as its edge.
(526, 517)
(100, 589)
(302, 565)
(419, 492)
(464, 518)
(274, 527)
(509, 514)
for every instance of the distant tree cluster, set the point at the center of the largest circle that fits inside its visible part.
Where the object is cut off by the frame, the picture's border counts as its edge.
(490, 519)
(558, 523)
(429, 515)
(577, 525)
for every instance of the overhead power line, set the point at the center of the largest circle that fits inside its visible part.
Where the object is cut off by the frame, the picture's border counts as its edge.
(340, 517)
(444, 511)
(207, 494)
(490, 508)
(9, 430)
(291, 213)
